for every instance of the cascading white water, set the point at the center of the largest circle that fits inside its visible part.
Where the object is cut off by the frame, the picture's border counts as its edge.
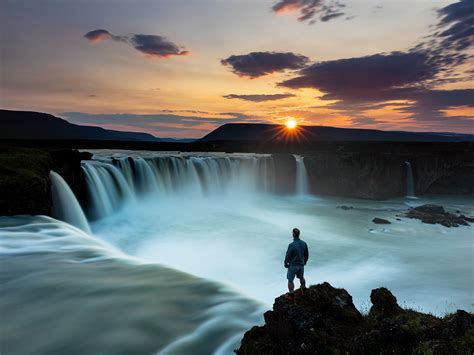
(410, 181)
(65, 205)
(114, 180)
(301, 176)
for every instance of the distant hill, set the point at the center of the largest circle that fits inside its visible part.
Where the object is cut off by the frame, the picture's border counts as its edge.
(269, 132)
(36, 125)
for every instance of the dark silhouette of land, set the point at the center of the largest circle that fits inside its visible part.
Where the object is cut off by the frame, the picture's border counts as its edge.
(307, 134)
(36, 125)
(26, 126)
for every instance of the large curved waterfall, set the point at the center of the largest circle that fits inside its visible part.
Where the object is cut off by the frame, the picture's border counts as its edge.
(115, 179)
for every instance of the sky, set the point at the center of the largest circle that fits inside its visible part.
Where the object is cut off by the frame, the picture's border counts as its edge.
(180, 68)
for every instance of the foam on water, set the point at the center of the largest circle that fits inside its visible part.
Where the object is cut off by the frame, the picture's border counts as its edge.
(100, 301)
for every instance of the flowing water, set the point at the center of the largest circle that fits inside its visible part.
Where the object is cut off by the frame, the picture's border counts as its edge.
(186, 252)
(410, 180)
(65, 205)
(301, 176)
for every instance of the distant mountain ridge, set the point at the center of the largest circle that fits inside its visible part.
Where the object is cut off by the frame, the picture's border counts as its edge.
(36, 125)
(270, 132)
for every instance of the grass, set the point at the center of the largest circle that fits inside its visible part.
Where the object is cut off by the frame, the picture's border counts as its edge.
(24, 180)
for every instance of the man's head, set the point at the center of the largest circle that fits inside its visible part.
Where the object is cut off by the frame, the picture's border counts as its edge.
(296, 233)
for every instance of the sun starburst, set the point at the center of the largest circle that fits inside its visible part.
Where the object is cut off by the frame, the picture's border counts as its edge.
(291, 124)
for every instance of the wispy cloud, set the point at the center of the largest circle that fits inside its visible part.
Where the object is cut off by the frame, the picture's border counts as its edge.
(457, 25)
(259, 97)
(256, 64)
(311, 10)
(151, 45)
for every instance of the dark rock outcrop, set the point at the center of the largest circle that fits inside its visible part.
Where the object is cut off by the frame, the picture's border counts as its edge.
(25, 187)
(325, 321)
(434, 214)
(377, 220)
(24, 181)
(383, 303)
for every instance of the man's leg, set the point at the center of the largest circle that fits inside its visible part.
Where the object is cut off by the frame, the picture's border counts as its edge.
(302, 280)
(291, 286)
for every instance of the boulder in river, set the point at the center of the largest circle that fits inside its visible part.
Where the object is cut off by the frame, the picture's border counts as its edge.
(377, 220)
(434, 214)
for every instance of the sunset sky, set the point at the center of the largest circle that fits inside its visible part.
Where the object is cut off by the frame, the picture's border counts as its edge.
(179, 68)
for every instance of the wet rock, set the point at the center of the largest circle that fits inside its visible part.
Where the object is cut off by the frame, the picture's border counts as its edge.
(431, 209)
(325, 321)
(85, 155)
(377, 220)
(434, 214)
(468, 219)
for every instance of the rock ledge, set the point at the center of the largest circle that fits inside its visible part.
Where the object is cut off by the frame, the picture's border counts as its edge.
(325, 321)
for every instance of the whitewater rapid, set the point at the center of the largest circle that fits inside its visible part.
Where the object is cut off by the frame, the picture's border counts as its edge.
(186, 252)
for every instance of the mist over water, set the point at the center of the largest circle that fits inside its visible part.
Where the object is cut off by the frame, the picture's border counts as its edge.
(187, 251)
(225, 223)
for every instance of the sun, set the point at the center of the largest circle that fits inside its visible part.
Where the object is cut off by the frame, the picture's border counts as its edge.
(291, 124)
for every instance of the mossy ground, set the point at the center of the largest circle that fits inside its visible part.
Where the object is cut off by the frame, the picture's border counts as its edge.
(24, 181)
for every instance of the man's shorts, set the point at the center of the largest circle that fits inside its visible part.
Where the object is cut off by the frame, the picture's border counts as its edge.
(293, 270)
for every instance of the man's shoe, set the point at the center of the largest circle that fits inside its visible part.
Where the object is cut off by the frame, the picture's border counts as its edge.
(303, 290)
(289, 296)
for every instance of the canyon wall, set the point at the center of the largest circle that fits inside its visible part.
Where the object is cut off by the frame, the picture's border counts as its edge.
(369, 171)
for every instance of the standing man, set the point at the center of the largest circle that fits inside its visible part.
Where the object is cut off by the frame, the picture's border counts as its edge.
(296, 257)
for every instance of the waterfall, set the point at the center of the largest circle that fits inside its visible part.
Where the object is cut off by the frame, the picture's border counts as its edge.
(410, 183)
(113, 181)
(301, 176)
(65, 205)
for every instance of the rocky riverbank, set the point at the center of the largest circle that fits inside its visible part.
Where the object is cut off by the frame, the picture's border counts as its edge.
(325, 321)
